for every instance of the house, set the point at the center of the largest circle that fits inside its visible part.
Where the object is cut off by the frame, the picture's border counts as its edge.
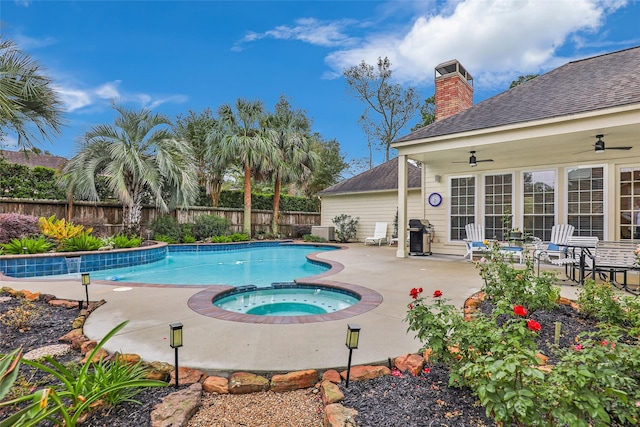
(31, 159)
(561, 148)
(372, 196)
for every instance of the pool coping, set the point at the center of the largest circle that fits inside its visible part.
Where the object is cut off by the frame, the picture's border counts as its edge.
(202, 302)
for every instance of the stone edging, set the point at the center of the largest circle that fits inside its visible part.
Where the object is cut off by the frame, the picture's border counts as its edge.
(327, 384)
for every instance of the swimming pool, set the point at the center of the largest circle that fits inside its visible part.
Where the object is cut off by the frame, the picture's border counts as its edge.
(260, 266)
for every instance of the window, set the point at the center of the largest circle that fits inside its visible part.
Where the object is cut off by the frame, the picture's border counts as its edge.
(585, 196)
(498, 204)
(463, 201)
(629, 203)
(539, 190)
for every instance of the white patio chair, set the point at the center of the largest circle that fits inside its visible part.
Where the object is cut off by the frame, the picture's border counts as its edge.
(379, 234)
(557, 245)
(474, 240)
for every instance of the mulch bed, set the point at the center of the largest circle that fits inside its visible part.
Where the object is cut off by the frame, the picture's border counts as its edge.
(406, 400)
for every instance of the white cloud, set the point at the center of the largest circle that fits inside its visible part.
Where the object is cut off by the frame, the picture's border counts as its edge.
(8, 142)
(108, 90)
(26, 43)
(77, 99)
(494, 39)
(309, 30)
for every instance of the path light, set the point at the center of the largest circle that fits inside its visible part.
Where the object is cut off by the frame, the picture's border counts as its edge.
(353, 335)
(175, 341)
(86, 281)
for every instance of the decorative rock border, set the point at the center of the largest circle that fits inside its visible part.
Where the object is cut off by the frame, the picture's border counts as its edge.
(178, 407)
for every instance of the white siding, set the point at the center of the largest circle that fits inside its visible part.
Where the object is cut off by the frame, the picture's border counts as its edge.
(369, 208)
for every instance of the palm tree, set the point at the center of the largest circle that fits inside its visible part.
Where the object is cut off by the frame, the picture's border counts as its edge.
(289, 131)
(194, 129)
(140, 158)
(240, 138)
(28, 105)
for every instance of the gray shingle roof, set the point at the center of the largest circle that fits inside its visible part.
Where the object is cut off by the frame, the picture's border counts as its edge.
(605, 81)
(32, 159)
(382, 177)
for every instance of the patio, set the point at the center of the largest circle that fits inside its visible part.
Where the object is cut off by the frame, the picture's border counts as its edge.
(215, 345)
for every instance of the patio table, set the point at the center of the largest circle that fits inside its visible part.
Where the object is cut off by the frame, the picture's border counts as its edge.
(585, 246)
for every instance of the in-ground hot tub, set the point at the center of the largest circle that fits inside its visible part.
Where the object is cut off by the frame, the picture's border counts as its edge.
(286, 299)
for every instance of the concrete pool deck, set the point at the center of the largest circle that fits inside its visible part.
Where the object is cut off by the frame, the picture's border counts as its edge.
(216, 345)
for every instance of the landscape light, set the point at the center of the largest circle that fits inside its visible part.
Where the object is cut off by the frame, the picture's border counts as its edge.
(175, 341)
(353, 335)
(86, 281)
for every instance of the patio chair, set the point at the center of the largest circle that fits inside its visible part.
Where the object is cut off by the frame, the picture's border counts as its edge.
(557, 245)
(379, 234)
(474, 240)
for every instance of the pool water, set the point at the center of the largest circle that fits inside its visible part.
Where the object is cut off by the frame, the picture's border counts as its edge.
(292, 301)
(260, 266)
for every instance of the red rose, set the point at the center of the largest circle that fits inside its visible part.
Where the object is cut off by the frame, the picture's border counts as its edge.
(437, 294)
(533, 325)
(520, 310)
(414, 293)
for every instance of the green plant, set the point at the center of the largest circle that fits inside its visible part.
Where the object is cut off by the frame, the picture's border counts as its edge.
(79, 389)
(239, 237)
(22, 317)
(122, 241)
(165, 238)
(346, 227)
(186, 231)
(81, 242)
(510, 285)
(166, 225)
(27, 245)
(600, 301)
(221, 239)
(433, 323)
(206, 226)
(594, 383)
(313, 238)
(9, 368)
(503, 369)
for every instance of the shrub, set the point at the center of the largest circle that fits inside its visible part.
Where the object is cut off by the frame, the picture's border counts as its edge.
(17, 226)
(166, 239)
(299, 230)
(186, 230)
(221, 239)
(27, 245)
(167, 227)
(122, 241)
(313, 238)
(512, 286)
(22, 317)
(346, 227)
(210, 225)
(60, 229)
(79, 390)
(82, 242)
(235, 199)
(239, 237)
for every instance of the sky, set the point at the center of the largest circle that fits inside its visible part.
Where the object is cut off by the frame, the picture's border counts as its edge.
(177, 56)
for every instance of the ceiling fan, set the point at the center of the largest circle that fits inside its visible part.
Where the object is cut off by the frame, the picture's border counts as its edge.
(473, 161)
(599, 145)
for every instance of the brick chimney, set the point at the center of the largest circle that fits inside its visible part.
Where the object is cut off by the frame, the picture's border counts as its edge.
(454, 89)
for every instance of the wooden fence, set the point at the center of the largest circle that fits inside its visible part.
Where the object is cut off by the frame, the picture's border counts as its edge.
(106, 218)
